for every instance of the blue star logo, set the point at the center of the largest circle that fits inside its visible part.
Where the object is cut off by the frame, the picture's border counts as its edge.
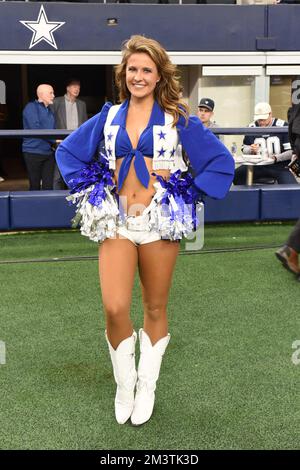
(42, 29)
(110, 136)
(162, 135)
(109, 151)
(161, 152)
(172, 153)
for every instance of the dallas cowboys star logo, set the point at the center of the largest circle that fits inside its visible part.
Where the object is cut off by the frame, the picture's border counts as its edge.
(42, 29)
(162, 135)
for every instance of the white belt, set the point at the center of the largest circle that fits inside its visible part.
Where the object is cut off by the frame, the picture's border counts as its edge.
(138, 223)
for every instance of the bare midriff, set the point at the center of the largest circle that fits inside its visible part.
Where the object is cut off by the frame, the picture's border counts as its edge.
(133, 193)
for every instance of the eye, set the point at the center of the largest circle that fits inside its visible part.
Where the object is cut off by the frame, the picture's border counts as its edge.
(147, 70)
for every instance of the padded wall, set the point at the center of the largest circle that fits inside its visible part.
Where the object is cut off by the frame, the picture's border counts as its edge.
(40, 209)
(4, 211)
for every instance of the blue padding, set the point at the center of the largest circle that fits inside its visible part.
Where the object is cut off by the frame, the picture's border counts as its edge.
(287, 39)
(4, 210)
(240, 204)
(280, 202)
(177, 27)
(40, 209)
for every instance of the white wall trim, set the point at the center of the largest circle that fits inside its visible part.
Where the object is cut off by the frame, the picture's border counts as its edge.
(219, 58)
(234, 70)
(283, 70)
(179, 58)
(114, 57)
(60, 57)
(286, 57)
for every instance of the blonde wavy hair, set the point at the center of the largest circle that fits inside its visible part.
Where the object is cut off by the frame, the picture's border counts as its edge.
(168, 90)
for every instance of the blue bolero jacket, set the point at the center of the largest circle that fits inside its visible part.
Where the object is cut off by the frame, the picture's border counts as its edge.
(212, 163)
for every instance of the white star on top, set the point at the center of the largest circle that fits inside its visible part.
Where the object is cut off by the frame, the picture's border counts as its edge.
(42, 29)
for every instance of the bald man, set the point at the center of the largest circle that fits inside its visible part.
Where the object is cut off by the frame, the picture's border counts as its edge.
(38, 153)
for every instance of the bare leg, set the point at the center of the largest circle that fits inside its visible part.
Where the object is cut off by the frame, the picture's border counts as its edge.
(156, 265)
(117, 266)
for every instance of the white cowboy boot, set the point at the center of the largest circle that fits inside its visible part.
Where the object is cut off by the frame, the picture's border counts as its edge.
(123, 361)
(148, 372)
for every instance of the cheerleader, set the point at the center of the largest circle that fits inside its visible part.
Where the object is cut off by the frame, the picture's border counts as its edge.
(137, 200)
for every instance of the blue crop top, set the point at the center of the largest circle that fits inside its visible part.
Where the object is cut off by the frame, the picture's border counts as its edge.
(124, 148)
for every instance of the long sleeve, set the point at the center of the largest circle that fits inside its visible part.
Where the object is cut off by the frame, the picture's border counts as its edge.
(284, 156)
(31, 118)
(79, 148)
(38, 116)
(247, 149)
(210, 159)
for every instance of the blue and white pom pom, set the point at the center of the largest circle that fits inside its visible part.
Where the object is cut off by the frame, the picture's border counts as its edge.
(94, 193)
(173, 208)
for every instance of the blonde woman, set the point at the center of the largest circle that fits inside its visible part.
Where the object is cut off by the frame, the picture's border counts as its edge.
(133, 202)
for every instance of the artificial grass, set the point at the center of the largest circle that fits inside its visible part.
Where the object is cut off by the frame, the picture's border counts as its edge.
(227, 379)
(69, 243)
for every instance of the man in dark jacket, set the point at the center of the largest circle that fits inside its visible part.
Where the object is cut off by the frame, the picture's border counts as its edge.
(38, 153)
(288, 254)
(294, 128)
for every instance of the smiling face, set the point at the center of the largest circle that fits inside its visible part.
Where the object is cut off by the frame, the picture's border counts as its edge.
(141, 76)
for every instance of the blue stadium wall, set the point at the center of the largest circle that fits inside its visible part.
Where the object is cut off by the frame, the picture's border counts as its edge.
(49, 209)
(179, 27)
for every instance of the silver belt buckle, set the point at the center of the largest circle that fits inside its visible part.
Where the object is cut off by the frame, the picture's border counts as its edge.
(136, 223)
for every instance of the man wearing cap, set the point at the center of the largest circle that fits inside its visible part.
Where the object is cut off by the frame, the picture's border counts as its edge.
(270, 146)
(206, 112)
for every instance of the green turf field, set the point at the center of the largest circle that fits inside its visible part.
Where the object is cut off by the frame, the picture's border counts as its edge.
(227, 382)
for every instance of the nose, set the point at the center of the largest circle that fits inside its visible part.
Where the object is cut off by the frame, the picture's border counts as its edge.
(138, 75)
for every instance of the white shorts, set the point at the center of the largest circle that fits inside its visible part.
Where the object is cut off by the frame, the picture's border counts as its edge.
(137, 230)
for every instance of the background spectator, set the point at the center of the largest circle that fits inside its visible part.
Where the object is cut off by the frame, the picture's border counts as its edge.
(269, 146)
(206, 113)
(70, 113)
(38, 153)
(288, 254)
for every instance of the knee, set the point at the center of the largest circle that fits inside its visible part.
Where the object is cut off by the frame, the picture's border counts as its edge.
(115, 313)
(154, 312)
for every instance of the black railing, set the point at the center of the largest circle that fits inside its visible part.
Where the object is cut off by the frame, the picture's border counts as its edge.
(21, 133)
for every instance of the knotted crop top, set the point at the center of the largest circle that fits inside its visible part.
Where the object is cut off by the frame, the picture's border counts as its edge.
(158, 141)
